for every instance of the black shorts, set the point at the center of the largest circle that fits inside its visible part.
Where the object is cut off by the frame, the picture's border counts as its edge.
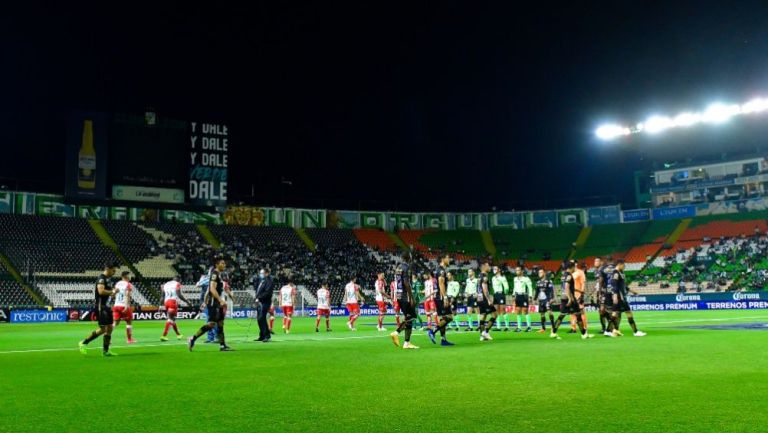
(521, 301)
(485, 307)
(544, 306)
(215, 313)
(499, 299)
(104, 316)
(471, 302)
(444, 308)
(622, 306)
(408, 311)
(566, 309)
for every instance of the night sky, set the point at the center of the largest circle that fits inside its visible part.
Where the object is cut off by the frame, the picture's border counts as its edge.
(418, 105)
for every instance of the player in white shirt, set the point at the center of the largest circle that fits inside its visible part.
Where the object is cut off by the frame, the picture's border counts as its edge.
(430, 307)
(351, 296)
(395, 303)
(380, 289)
(287, 299)
(323, 308)
(122, 307)
(171, 296)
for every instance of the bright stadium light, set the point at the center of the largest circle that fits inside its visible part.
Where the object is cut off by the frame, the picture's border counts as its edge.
(714, 114)
(656, 124)
(609, 132)
(719, 113)
(687, 119)
(757, 105)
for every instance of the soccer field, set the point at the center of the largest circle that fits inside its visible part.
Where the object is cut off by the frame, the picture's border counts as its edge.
(686, 375)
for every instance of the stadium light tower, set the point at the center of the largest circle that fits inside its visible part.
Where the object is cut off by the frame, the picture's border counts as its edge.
(714, 114)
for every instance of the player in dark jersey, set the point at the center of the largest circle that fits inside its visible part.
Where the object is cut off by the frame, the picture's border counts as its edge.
(102, 292)
(485, 303)
(569, 303)
(603, 295)
(214, 300)
(620, 302)
(407, 300)
(545, 293)
(444, 306)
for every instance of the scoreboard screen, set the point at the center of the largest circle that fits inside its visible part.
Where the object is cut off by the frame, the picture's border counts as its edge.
(145, 159)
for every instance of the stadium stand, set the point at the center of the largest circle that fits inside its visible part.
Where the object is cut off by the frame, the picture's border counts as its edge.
(535, 244)
(723, 252)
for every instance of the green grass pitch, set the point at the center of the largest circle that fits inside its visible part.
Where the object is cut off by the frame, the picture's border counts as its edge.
(678, 378)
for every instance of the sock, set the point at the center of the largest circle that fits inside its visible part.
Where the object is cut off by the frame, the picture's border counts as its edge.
(167, 325)
(222, 341)
(506, 320)
(498, 325)
(631, 321)
(94, 335)
(288, 323)
(397, 320)
(489, 326)
(519, 321)
(544, 322)
(352, 320)
(528, 320)
(408, 331)
(381, 320)
(584, 320)
(582, 329)
(203, 329)
(129, 332)
(175, 328)
(481, 325)
(478, 320)
(602, 321)
(271, 322)
(552, 320)
(317, 322)
(283, 322)
(573, 322)
(558, 322)
(327, 323)
(107, 340)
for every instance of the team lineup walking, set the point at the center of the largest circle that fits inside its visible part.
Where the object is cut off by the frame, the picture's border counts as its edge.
(486, 298)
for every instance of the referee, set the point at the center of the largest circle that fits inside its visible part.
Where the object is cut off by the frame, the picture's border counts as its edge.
(264, 288)
(523, 291)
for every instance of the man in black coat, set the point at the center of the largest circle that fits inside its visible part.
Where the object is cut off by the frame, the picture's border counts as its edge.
(265, 285)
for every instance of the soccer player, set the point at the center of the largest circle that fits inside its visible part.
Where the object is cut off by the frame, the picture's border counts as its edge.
(603, 293)
(485, 304)
(454, 290)
(569, 304)
(523, 291)
(172, 294)
(214, 301)
(406, 300)
(470, 295)
(352, 294)
(121, 310)
(102, 292)
(500, 289)
(287, 300)
(545, 292)
(620, 303)
(580, 280)
(443, 304)
(271, 314)
(202, 284)
(429, 300)
(323, 308)
(380, 290)
(395, 303)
